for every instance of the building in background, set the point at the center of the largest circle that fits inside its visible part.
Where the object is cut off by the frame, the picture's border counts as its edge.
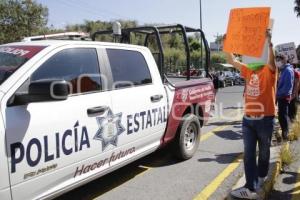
(216, 47)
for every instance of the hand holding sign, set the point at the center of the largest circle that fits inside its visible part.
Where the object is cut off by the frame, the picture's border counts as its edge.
(246, 32)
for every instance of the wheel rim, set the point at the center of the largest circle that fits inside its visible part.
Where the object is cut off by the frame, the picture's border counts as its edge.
(190, 136)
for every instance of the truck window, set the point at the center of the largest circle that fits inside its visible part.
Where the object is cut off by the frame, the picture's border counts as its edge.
(13, 57)
(129, 68)
(78, 66)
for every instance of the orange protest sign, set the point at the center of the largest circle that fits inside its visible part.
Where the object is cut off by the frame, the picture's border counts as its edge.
(246, 31)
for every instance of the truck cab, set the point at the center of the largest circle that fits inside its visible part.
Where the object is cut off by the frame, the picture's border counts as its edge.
(73, 111)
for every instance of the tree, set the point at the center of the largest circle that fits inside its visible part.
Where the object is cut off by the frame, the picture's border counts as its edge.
(195, 59)
(219, 39)
(173, 44)
(174, 59)
(194, 44)
(217, 58)
(20, 18)
(297, 8)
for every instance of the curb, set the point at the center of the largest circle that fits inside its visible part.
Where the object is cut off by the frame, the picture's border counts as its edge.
(274, 170)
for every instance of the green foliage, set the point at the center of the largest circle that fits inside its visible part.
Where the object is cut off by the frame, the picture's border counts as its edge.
(173, 45)
(175, 41)
(20, 18)
(286, 154)
(174, 59)
(194, 44)
(295, 132)
(195, 58)
(219, 39)
(217, 58)
(93, 26)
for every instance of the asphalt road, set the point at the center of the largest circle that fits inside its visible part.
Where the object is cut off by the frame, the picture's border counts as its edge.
(210, 174)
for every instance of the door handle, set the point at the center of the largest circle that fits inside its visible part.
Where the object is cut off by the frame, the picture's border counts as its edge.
(156, 98)
(97, 110)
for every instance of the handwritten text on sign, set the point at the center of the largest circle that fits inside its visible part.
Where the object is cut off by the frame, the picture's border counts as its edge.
(288, 50)
(246, 31)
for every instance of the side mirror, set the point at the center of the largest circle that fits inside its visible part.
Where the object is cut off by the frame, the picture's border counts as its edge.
(49, 90)
(43, 90)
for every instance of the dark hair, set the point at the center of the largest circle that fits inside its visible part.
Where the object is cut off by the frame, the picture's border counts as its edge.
(280, 57)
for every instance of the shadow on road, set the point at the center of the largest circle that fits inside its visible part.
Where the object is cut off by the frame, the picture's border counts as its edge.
(289, 179)
(106, 183)
(222, 158)
(229, 123)
(233, 108)
(229, 135)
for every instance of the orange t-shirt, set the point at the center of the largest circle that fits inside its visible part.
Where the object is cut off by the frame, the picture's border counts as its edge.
(260, 91)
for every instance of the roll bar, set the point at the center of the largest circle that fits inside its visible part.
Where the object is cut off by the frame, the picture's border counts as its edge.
(157, 31)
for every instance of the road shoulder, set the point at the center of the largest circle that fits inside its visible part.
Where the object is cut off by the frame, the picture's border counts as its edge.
(275, 166)
(287, 185)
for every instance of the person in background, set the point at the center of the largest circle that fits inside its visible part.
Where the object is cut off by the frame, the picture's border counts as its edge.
(258, 121)
(284, 94)
(216, 82)
(295, 95)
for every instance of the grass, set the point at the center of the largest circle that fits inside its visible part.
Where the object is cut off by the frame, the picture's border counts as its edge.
(295, 131)
(286, 153)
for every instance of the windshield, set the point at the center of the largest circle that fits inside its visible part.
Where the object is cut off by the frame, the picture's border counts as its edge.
(13, 57)
(228, 73)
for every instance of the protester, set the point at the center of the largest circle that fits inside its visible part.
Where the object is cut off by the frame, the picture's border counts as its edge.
(258, 121)
(284, 94)
(293, 105)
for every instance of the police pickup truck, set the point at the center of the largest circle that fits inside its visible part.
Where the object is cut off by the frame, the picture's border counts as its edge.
(72, 111)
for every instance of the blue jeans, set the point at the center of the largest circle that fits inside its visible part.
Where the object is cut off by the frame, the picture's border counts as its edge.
(283, 116)
(257, 131)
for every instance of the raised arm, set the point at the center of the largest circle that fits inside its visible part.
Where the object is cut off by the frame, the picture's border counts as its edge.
(271, 57)
(233, 61)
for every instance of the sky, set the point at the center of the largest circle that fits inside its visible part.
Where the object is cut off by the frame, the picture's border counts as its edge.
(215, 14)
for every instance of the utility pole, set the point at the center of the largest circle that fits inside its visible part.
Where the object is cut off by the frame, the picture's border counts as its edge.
(200, 14)
(200, 2)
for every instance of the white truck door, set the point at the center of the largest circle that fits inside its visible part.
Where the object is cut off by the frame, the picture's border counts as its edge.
(4, 181)
(51, 145)
(139, 95)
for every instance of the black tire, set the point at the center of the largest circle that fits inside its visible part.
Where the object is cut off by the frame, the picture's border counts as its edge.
(185, 146)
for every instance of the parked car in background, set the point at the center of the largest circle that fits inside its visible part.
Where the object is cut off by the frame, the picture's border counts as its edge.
(229, 78)
(195, 73)
(238, 80)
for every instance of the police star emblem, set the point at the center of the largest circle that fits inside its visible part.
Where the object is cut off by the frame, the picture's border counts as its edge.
(110, 128)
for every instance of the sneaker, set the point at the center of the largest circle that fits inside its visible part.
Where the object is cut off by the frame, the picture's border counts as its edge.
(244, 193)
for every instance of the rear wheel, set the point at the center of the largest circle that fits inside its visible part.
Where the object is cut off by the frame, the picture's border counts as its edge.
(188, 137)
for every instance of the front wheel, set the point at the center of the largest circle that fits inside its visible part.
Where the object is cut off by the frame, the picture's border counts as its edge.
(188, 137)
